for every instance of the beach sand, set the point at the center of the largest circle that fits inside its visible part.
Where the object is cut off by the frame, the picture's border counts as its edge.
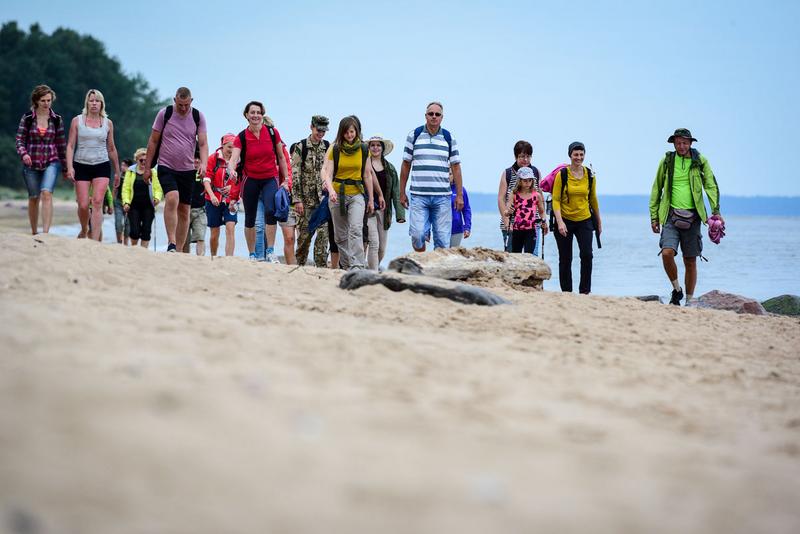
(144, 392)
(14, 215)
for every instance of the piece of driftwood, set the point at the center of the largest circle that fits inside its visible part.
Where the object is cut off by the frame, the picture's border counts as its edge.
(475, 265)
(418, 284)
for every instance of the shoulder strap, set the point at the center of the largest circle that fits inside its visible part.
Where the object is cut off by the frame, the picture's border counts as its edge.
(271, 130)
(591, 181)
(303, 152)
(157, 151)
(335, 159)
(564, 180)
(669, 168)
(196, 117)
(449, 139)
(509, 171)
(243, 142)
(167, 115)
(417, 132)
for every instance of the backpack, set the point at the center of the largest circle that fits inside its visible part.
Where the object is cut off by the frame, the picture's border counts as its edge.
(445, 133)
(243, 142)
(304, 150)
(29, 121)
(535, 173)
(564, 178)
(669, 166)
(167, 115)
(546, 183)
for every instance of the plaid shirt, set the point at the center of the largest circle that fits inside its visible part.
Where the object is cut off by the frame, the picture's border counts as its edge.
(43, 150)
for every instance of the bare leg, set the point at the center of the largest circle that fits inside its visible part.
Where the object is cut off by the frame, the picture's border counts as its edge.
(33, 214)
(82, 197)
(334, 260)
(200, 247)
(182, 228)
(214, 241)
(272, 231)
(135, 242)
(288, 244)
(668, 259)
(171, 216)
(47, 210)
(145, 244)
(99, 186)
(230, 238)
(250, 237)
(691, 274)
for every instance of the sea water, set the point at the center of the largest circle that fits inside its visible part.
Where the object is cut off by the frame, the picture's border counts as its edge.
(757, 258)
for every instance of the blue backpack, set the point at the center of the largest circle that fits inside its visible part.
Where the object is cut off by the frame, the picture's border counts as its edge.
(445, 133)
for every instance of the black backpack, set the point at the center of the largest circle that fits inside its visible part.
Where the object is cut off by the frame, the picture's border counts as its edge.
(167, 115)
(243, 142)
(304, 150)
(564, 178)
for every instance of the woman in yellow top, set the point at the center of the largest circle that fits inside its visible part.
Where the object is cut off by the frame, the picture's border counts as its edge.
(350, 191)
(577, 213)
(139, 201)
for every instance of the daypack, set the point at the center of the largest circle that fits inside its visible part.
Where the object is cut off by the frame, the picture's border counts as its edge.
(167, 115)
(243, 142)
(445, 133)
(564, 178)
(546, 183)
(304, 150)
(669, 166)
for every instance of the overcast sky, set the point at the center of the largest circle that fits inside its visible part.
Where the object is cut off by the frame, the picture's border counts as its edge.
(619, 76)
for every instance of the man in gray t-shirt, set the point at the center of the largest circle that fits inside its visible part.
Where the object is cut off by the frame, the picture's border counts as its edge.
(178, 132)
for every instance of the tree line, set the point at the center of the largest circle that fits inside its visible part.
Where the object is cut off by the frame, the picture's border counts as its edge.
(71, 64)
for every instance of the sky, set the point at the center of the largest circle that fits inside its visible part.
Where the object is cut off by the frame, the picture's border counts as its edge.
(619, 76)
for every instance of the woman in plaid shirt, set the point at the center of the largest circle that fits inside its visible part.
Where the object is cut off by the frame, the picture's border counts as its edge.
(41, 146)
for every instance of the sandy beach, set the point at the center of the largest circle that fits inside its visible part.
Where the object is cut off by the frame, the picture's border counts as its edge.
(14, 215)
(144, 392)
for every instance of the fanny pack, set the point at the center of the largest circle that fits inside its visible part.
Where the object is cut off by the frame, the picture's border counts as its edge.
(682, 219)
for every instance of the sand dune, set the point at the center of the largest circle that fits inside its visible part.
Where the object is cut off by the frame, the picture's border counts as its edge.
(145, 392)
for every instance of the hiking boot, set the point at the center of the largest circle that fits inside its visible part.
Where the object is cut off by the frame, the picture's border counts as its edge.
(677, 297)
(271, 258)
(172, 248)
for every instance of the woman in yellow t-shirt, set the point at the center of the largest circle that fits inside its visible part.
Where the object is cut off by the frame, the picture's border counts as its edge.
(577, 212)
(350, 188)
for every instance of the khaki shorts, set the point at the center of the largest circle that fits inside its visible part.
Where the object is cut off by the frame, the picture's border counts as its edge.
(291, 220)
(197, 225)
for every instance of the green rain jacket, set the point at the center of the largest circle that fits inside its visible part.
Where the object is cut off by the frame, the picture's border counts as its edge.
(700, 177)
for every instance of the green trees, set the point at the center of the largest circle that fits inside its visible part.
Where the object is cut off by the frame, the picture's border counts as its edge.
(71, 64)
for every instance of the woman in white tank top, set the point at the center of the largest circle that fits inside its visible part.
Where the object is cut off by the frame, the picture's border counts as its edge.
(90, 165)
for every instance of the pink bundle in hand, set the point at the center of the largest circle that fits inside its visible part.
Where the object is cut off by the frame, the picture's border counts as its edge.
(716, 229)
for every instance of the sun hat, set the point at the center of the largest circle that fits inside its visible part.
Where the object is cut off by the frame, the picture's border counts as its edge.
(681, 132)
(388, 146)
(525, 173)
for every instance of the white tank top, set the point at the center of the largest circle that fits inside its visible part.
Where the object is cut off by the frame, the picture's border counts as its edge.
(92, 147)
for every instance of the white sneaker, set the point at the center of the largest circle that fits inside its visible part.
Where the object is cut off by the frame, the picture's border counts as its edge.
(271, 258)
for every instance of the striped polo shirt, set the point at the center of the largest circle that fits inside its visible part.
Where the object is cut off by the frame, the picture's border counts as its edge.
(430, 162)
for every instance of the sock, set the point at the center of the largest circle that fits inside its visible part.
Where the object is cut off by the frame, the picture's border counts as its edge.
(270, 250)
(675, 285)
(689, 297)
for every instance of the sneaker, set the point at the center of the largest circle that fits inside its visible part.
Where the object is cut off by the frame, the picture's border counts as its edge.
(253, 256)
(677, 297)
(172, 248)
(271, 258)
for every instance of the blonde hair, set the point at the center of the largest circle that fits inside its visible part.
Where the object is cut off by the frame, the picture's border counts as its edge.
(139, 152)
(519, 183)
(100, 97)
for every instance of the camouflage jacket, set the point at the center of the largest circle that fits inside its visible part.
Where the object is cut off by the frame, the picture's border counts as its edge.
(307, 176)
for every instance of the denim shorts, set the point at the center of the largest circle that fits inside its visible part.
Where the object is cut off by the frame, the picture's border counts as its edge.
(216, 216)
(690, 241)
(43, 180)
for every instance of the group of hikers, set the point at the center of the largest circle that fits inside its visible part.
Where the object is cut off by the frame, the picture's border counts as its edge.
(341, 195)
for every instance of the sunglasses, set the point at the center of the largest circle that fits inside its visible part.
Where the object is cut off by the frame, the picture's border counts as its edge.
(433, 114)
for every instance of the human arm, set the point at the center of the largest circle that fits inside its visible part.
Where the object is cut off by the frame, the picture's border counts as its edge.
(369, 184)
(112, 154)
(69, 171)
(400, 210)
(158, 193)
(502, 195)
(152, 142)
(202, 145)
(127, 187)
(405, 169)
(711, 187)
(61, 144)
(297, 168)
(21, 141)
(598, 221)
(456, 168)
(376, 189)
(542, 211)
(283, 170)
(562, 228)
(234, 161)
(327, 175)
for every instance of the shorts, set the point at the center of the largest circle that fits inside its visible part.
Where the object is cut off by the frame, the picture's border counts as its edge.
(121, 224)
(291, 221)
(87, 173)
(197, 225)
(41, 180)
(216, 216)
(180, 181)
(690, 241)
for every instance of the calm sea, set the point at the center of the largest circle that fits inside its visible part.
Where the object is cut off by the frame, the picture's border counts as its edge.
(758, 257)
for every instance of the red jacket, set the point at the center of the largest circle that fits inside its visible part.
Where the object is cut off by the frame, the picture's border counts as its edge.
(216, 170)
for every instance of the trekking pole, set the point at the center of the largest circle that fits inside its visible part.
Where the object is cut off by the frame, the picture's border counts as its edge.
(153, 225)
(594, 219)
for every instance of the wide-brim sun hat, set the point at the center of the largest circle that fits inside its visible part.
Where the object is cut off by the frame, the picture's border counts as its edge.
(388, 146)
(681, 132)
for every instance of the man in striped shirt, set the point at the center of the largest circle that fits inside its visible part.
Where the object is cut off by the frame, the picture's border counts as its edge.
(429, 154)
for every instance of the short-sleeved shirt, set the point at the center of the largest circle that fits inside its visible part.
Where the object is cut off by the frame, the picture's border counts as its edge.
(260, 162)
(178, 139)
(430, 158)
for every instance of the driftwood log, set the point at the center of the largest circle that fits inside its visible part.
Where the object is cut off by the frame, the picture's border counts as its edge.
(420, 284)
(475, 265)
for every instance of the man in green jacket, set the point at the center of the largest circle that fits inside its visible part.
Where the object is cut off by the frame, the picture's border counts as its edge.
(677, 208)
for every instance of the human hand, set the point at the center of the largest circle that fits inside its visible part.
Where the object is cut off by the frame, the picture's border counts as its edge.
(562, 229)
(332, 196)
(225, 190)
(382, 203)
(214, 200)
(370, 206)
(146, 176)
(109, 210)
(655, 226)
(466, 234)
(126, 207)
(404, 199)
(544, 228)
(26, 160)
(299, 209)
(70, 174)
(459, 203)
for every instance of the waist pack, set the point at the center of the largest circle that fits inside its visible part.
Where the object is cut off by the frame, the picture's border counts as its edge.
(682, 219)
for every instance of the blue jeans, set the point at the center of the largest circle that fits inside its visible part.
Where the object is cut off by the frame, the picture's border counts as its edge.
(43, 180)
(261, 248)
(536, 241)
(430, 211)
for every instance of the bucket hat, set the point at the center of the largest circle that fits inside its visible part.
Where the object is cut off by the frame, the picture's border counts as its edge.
(681, 132)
